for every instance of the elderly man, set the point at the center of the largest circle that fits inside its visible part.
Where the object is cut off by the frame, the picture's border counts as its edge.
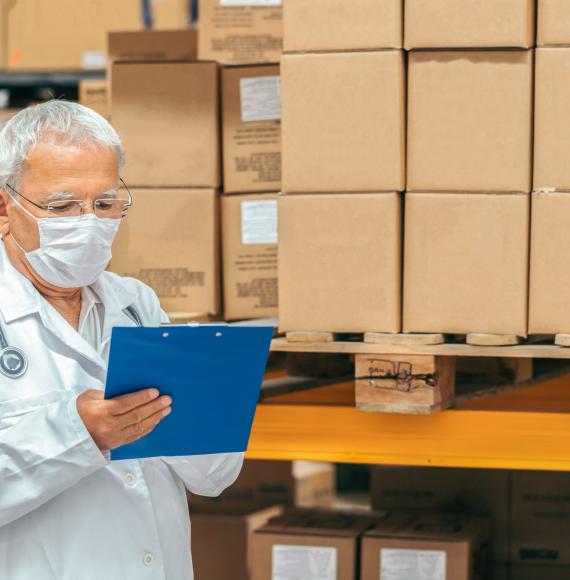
(66, 512)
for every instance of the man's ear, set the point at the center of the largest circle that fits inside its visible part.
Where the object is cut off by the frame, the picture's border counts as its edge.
(3, 203)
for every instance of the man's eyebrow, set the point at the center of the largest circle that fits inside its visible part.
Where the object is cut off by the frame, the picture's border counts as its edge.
(57, 196)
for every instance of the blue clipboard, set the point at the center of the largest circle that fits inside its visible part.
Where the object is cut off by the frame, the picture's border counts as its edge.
(213, 374)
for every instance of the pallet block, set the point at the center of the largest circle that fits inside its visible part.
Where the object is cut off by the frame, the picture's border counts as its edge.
(410, 384)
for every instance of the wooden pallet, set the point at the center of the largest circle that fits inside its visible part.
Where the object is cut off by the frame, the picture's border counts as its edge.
(422, 374)
(411, 339)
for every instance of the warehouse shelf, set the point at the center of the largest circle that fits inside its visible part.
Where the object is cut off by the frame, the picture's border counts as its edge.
(10, 80)
(529, 429)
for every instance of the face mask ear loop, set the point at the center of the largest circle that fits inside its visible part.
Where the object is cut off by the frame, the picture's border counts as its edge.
(24, 210)
(13, 198)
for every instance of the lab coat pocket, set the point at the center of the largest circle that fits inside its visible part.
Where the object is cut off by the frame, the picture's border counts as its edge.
(13, 410)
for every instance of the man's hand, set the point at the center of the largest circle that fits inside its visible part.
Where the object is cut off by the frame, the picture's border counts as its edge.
(115, 422)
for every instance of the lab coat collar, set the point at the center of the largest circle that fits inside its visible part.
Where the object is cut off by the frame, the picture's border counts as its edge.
(18, 297)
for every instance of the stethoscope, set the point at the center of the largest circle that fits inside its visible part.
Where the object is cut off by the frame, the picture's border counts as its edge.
(14, 362)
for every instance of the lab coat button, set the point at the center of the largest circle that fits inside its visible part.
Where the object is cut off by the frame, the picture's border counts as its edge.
(148, 559)
(130, 479)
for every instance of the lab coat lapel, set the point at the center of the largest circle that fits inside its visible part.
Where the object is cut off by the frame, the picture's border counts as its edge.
(115, 298)
(63, 331)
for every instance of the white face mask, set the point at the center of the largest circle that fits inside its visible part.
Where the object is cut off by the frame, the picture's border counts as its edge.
(74, 251)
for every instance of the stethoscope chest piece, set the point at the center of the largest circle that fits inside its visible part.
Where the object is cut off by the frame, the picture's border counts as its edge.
(13, 362)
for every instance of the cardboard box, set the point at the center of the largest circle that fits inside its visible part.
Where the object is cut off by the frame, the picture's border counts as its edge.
(466, 263)
(221, 539)
(34, 30)
(242, 32)
(549, 264)
(288, 483)
(249, 250)
(307, 544)
(540, 512)
(251, 128)
(150, 45)
(469, 23)
(329, 25)
(552, 119)
(167, 116)
(450, 491)
(94, 93)
(470, 121)
(170, 241)
(343, 122)
(340, 262)
(450, 546)
(526, 572)
(553, 22)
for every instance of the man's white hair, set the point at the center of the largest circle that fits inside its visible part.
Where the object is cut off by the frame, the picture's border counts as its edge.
(55, 121)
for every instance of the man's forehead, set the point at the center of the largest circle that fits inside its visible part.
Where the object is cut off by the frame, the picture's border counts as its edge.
(60, 169)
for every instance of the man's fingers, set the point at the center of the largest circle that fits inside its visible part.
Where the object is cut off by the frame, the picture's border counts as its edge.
(125, 403)
(138, 430)
(139, 414)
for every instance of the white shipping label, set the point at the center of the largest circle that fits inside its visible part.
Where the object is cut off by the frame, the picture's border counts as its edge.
(260, 98)
(416, 564)
(250, 2)
(93, 59)
(306, 562)
(259, 222)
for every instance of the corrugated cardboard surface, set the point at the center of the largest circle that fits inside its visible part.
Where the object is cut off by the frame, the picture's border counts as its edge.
(553, 22)
(340, 25)
(549, 310)
(221, 539)
(72, 34)
(167, 116)
(239, 34)
(470, 120)
(552, 120)
(252, 149)
(462, 538)
(466, 263)
(343, 122)
(94, 93)
(170, 241)
(469, 23)
(289, 483)
(329, 530)
(340, 262)
(148, 45)
(540, 518)
(467, 491)
(249, 270)
(528, 572)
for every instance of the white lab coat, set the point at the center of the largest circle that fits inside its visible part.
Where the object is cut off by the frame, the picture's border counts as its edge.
(66, 512)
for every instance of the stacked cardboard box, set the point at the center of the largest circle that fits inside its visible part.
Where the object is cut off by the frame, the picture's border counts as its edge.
(343, 94)
(240, 32)
(72, 34)
(374, 546)
(222, 539)
(167, 113)
(251, 137)
(469, 166)
(449, 491)
(550, 255)
(287, 483)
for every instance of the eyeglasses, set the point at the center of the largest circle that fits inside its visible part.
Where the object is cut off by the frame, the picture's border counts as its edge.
(114, 204)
